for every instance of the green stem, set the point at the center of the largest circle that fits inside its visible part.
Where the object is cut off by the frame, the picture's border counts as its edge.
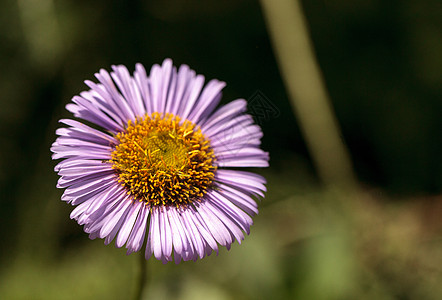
(307, 92)
(142, 279)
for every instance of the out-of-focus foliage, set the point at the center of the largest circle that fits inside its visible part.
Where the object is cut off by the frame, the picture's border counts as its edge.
(382, 65)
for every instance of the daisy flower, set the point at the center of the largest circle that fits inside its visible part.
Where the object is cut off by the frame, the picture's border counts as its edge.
(150, 162)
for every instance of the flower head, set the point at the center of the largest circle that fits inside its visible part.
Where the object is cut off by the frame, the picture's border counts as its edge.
(158, 164)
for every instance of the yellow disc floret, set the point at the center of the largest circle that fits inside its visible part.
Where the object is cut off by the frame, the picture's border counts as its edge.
(162, 160)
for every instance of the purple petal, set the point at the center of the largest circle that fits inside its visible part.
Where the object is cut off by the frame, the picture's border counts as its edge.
(194, 234)
(175, 230)
(240, 199)
(142, 82)
(113, 217)
(230, 225)
(224, 113)
(210, 97)
(244, 180)
(191, 96)
(129, 89)
(166, 235)
(239, 217)
(203, 230)
(184, 77)
(109, 92)
(136, 238)
(215, 226)
(128, 224)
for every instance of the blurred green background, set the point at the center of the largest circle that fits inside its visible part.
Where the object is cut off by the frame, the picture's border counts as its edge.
(382, 65)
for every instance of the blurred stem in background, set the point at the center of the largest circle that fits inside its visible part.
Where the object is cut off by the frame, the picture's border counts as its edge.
(306, 89)
(41, 31)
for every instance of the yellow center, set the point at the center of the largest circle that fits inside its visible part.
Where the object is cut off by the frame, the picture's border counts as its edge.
(163, 161)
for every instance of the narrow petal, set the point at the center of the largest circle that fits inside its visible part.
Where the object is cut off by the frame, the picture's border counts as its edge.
(207, 100)
(160, 77)
(156, 234)
(215, 226)
(113, 218)
(127, 85)
(177, 239)
(111, 94)
(225, 113)
(150, 237)
(239, 217)
(86, 129)
(243, 180)
(188, 247)
(191, 96)
(194, 234)
(142, 82)
(166, 235)
(136, 237)
(203, 231)
(128, 224)
(116, 228)
(185, 76)
(224, 218)
(240, 199)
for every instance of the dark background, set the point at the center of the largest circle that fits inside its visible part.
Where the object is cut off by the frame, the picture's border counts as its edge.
(382, 65)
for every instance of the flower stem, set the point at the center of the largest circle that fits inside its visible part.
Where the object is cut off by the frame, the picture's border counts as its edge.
(306, 89)
(142, 277)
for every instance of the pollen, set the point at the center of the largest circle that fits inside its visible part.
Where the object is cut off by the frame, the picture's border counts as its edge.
(162, 160)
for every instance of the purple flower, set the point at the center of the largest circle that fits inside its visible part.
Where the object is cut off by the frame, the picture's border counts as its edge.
(157, 165)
